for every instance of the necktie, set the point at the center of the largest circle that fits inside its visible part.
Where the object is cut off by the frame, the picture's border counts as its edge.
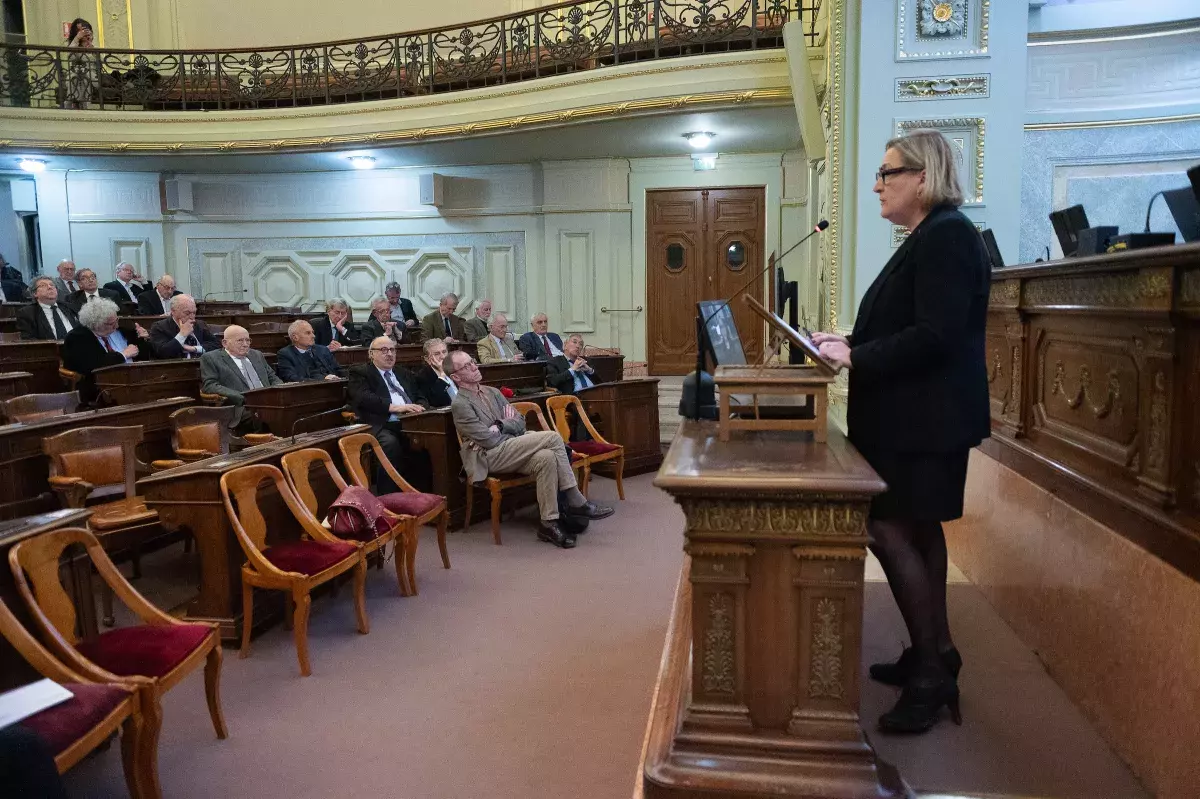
(394, 386)
(107, 344)
(503, 353)
(60, 329)
(191, 342)
(546, 344)
(313, 369)
(71, 286)
(446, 322)
(91, 297)
(451, 389)
(248, 371)
(129, 291)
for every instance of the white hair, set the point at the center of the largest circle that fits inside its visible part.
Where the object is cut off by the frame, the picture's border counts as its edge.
(180, 300)
(448, 295)
(533, 318)
(294, 328)
(94, 314)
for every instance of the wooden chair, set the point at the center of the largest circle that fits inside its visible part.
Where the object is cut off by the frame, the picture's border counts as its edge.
(199, 432)
(578, 459)
(297, 469)
(423, 508)
(83, 465)
(75, 728)
(292, 566)
(32, 407)
(598, 450)
(161, 648)
(496, 485)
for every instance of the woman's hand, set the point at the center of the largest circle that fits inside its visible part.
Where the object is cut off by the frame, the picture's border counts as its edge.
(821, 338)
(836, 352)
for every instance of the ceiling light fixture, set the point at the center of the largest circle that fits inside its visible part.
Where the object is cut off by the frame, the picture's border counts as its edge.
(32, 165)
(362, 161)
(699, 139)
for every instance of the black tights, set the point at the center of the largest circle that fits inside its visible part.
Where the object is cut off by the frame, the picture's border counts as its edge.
(913, 556)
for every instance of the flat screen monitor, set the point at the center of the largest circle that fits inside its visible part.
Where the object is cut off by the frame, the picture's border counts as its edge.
(723, 341)
(1186, 211)
(993, 249)
(1067, 224)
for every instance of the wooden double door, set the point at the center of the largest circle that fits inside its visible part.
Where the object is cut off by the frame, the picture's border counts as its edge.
(702, 244)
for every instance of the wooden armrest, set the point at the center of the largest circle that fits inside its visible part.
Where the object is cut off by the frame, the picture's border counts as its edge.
(253, 439)
(160, 466)
(71, 377)
(194, 454)
(349, 417)
(72, 490)
(212, 399)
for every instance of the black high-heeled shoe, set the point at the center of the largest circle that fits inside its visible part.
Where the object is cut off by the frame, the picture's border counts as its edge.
(897, 673)
(920, 705)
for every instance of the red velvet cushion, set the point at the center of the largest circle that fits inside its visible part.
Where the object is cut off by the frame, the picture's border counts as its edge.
(307, 557)
(410, 503)
(145, 650)
(67, 722)
(592, 447)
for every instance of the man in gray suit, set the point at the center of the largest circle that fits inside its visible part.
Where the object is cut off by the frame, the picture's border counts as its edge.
(66, 281)
(234, 370)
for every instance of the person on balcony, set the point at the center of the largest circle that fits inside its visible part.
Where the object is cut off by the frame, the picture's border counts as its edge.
(80, 66)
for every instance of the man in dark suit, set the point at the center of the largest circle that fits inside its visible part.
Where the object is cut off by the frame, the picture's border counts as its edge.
(12, 286)
(334, 329)
(128, 283)
(443, 323)
(158, 301)
(90, 291)
(540, 344)
(233, 370)
(66, 283)
(304, 359)
(382, 395)
(98, 342)
(400, 308)
(45, 319)
(181, 335)
(381, 323)
(432, 382)
(569, 373)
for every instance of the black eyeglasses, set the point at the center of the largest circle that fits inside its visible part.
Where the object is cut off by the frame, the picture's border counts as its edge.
(383, 349)
(883, 174)
(464, 366)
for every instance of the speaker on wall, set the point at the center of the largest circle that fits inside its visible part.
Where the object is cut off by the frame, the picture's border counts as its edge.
(176, 195)
(432, 188)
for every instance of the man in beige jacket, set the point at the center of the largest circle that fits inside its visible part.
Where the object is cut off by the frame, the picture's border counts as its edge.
(498, 346)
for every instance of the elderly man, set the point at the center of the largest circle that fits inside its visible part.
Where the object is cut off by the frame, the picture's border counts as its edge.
(234, 370)
(334, 329)
(540, 344)
(399, 309)
(97, 342)
(381, 323)
(66, 282)
(156, 302)
(128, 283)
(569, 372)
(89, 291)
(182, 335)
(46, 319)
(304, 359)
(432, 381)
(476, 327)
(443, 323)
(382, 394)
(499, 346)
(495, 440)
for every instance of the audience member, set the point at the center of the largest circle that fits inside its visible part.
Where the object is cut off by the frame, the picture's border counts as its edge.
(27, 766)
(98, 342)
(234, 370)
(128, 283)
(66, 282)
(494, 440)
(334, 330)
(12, 284)
(89, 291)
(81, 72)
(431, 379)
(382, 394)
(182, 335)
(400, 308)
(476, 327)
(569, 372)
(499, 346)
(303, 359)
(46, 319)
(539, 344)
(381, 323)
(156, 302)
(443, 323)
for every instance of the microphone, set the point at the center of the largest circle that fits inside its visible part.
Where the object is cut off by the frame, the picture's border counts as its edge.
(1149, 208)
(315, 416)
(223, 294)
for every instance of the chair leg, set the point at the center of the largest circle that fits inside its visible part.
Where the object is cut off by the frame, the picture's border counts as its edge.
(443, 522)
(360, 597)
(247, 617)
(470, 497)
(411, 539)
(212, 690)
(399, 554)
(620, 474)
(497, 499)
(140, 759)
(106, 605)
(587, 479)
(303, 604)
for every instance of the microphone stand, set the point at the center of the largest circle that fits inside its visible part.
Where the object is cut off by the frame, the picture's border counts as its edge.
(702, 323)
(315, 416)
(212, 294)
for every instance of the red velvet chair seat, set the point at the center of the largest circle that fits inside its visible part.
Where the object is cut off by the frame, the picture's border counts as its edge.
(592, 447)
(67, 722)
(410, 503)
(146, 650)
(307, 557)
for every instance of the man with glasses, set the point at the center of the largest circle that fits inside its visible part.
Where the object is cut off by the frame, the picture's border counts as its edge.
(499, 346)
(382, 394)
(156, 302)
(46, 319)
(235, 369)
(90, 291)
(182, 335)
(494, 441)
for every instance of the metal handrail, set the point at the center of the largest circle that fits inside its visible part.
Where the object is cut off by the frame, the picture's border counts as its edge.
(566, 37)
(638, 309)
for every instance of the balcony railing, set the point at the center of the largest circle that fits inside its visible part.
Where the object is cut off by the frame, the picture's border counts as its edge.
(547, 41)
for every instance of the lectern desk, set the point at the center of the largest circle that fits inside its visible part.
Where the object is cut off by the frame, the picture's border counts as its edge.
(146, 381)
(514, 374)
(281, 407)
(39, 358)
(626, 413)
(771, 615)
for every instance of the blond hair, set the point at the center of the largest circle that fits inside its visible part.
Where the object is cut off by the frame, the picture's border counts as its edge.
(931, 151)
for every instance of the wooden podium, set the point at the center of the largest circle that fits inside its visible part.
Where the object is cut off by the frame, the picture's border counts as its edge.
(758, 692)
(282, 406)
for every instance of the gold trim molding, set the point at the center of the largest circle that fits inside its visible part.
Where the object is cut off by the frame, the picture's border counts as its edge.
(1112, 123)
(1114, 34)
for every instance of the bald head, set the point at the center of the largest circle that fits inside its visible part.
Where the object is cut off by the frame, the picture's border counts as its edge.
(382, 353)
(236, 341)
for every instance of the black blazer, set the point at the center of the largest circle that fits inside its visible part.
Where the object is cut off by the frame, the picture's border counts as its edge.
(82, 352)
(369, 395)
(75, 301)
(324, 331)
(294, 367)
(136, 288)
(33, 326)
(434, 392)
(919, 377)
(164, 331)
(531, 346)
(558, 375)
(150, 304)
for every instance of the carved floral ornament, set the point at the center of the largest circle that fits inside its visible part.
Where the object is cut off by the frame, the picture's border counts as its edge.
(825, 678)
(821, 518)
(718, 661)
(1125, 290)
(942, 18)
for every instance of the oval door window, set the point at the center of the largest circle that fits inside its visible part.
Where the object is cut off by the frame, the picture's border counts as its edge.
(674, 257)
(735, 256)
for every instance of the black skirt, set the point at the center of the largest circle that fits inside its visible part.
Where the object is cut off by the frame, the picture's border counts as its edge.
(922, 486)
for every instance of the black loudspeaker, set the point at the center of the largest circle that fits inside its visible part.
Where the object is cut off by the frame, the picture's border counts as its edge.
(993, 249)
(1094, 240)
(1067, 224)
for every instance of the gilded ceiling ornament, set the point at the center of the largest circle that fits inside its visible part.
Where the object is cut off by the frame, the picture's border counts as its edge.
(942, 18)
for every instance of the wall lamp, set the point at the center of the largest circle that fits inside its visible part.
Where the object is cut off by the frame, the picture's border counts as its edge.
(32, 165)
(361, 161)
(699, 139)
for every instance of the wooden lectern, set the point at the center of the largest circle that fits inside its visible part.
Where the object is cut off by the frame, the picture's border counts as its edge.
(758, 692)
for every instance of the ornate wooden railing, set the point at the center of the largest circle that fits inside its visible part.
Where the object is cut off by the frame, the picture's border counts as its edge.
(546, 41)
